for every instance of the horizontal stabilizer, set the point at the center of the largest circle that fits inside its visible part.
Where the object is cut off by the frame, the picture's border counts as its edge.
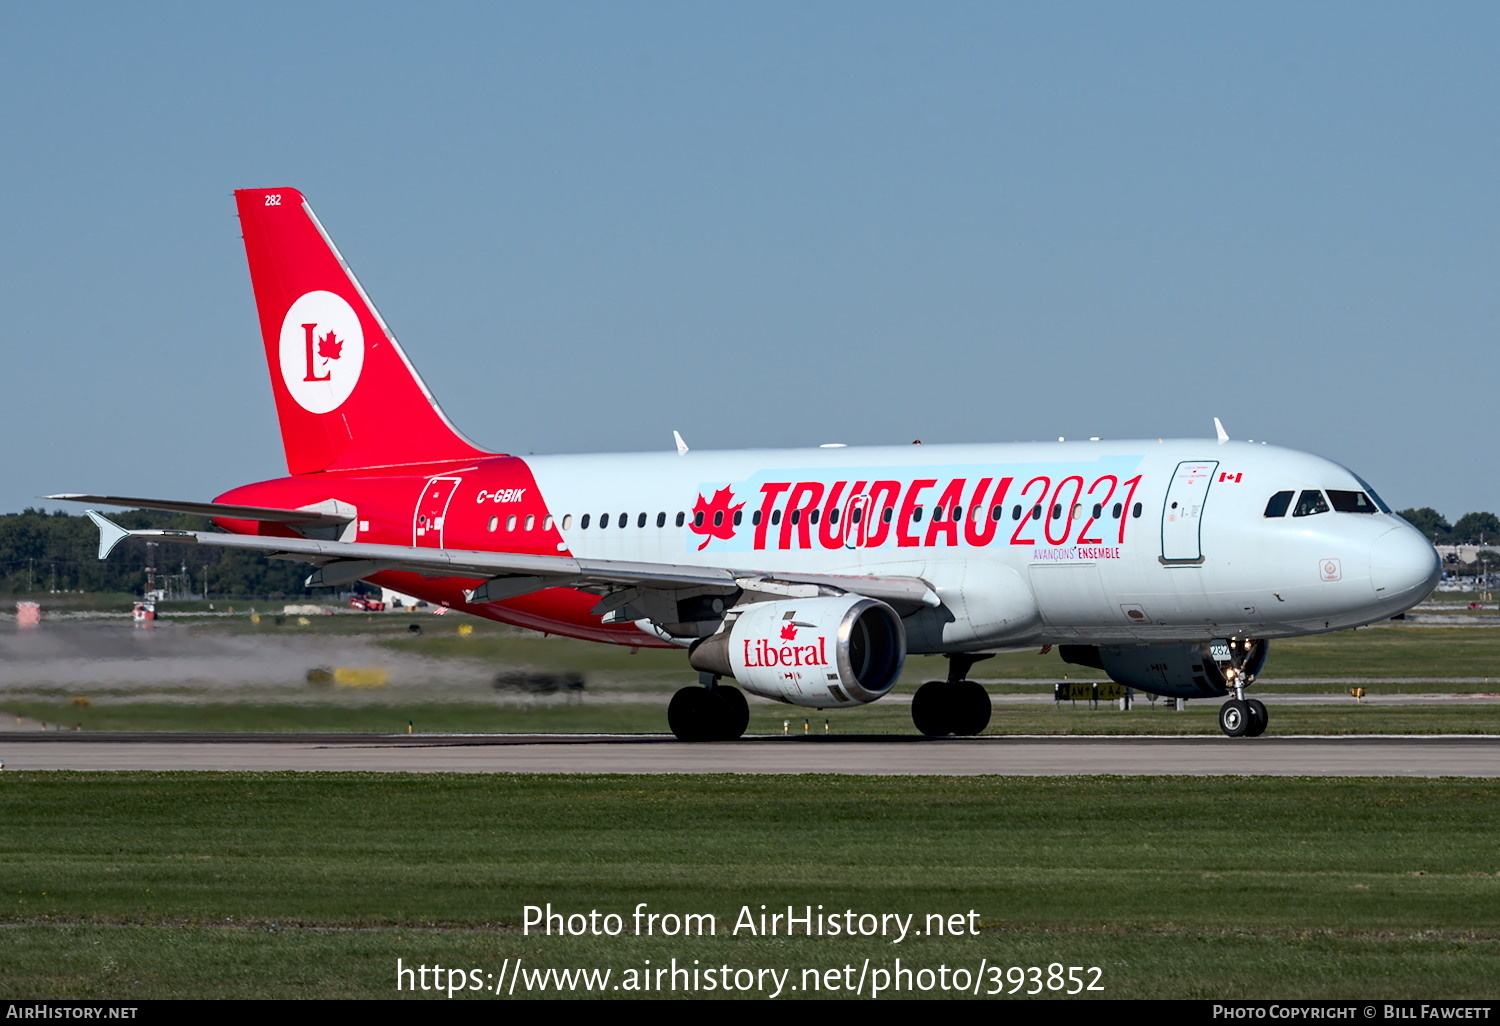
(110, 533)
(300, 517)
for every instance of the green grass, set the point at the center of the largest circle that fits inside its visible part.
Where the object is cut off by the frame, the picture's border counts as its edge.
(440, 684)
(134, 885)
(1383, 652)
(587, 717)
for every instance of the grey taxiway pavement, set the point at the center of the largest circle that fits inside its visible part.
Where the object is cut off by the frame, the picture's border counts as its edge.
(1451, 755)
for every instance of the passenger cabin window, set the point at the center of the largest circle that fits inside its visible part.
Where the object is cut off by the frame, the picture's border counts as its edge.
(661, 520)
(1310, 503)
(1351, 502)
(1278, 505)
(584, 523)
(494, 523)
(681, 518)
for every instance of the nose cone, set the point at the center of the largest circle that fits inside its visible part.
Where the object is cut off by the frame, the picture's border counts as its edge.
(1404, 567)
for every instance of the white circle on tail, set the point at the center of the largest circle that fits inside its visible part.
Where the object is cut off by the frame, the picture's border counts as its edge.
(322, 351)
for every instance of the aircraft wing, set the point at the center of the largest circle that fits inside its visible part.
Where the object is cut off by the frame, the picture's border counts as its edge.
(511, 574)
(299, 517)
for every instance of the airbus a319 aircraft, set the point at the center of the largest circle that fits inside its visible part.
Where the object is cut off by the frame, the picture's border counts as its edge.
(806, 575)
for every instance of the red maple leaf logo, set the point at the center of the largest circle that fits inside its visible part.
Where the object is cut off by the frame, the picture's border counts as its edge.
(789, 632)
(714, 518)
(330, 346)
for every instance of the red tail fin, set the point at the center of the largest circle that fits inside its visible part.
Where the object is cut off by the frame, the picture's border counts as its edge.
(345, 393)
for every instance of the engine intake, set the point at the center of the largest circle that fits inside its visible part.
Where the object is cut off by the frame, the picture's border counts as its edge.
(819, 652)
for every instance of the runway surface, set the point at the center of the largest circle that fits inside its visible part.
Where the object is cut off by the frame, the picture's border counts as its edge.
(1406, 756)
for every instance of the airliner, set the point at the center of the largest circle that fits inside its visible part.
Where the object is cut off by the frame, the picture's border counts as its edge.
(807, 576)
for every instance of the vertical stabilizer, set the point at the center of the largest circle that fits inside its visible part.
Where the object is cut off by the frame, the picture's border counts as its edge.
(346, 396)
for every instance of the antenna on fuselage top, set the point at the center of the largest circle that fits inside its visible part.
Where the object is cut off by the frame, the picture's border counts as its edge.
(682, 447)
(1219, 430)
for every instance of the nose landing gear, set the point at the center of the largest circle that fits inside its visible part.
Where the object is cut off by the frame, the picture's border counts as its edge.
(1241, 717)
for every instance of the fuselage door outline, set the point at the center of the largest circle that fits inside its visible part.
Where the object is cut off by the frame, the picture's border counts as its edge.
(1182, 513)
(432, 508)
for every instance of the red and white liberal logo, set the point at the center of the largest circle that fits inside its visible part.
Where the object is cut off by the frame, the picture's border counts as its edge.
(322, 351)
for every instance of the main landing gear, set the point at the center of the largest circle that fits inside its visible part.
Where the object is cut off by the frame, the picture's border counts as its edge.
(952, 706)
(1240, 717)
(708, 712)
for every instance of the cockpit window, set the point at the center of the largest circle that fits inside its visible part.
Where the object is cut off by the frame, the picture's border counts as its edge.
(1379, 502)
(1278, 505)
(1351, 502)
(1310, 503)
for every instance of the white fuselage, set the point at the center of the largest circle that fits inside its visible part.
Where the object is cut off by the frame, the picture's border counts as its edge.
(1103, 542)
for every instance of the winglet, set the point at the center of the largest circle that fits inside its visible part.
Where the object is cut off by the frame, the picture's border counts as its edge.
(110, 533)
(682, 447)
(1219, 430)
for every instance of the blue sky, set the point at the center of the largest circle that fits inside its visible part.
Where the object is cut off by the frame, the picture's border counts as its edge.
(767, 224)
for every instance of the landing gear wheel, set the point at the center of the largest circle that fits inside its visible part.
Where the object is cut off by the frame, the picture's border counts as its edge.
(694, 715)
(931, 711)
(1234, 717)
(943, 707)
(971, 708)
(708, 714)
(735, 710)
(1258, 717)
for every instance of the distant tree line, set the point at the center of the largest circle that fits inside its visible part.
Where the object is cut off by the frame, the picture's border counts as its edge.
(44, 552)
(1471, 529)
(57, 551)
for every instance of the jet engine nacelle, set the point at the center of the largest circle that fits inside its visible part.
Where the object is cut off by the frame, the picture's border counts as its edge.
(1205, 669)
(817, 652)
